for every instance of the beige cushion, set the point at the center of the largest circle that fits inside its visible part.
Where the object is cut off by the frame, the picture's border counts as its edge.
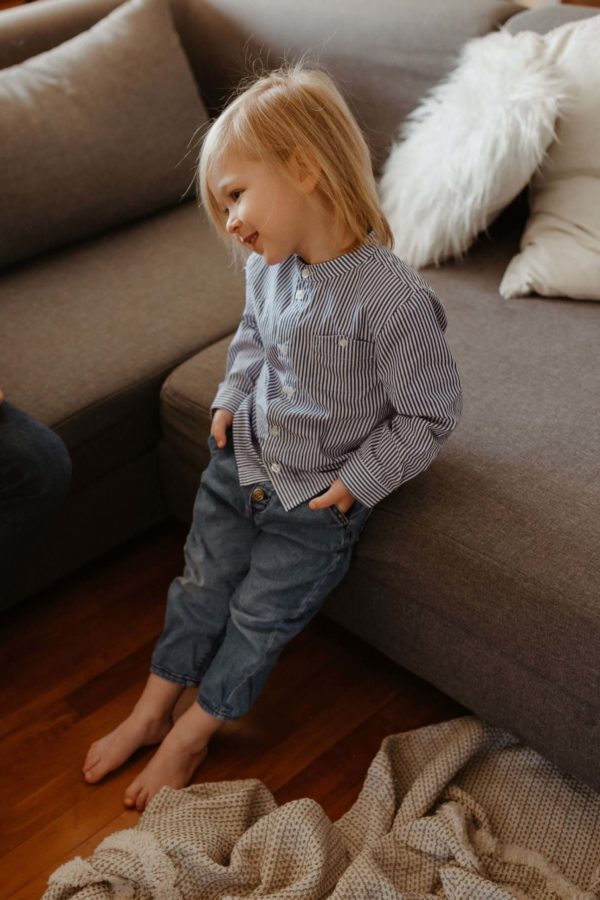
(560, 247)
(95, 132)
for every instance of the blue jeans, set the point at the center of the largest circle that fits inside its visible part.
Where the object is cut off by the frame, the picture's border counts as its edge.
(35, 473)
(254, 575)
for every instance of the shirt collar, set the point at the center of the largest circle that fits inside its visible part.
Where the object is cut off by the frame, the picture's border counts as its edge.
(335, 267)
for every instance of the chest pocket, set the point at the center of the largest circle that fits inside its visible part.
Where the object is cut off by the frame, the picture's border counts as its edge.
(346, 365)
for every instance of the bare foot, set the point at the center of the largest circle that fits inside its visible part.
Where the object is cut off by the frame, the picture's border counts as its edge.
(177, 758)
(115, 748)
(149, 722)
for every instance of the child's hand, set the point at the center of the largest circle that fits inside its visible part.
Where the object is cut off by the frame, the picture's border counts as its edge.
(337, 495)
(221, 421)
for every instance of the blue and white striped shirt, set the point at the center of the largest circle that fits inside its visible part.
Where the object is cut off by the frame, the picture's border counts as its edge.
(338, 369)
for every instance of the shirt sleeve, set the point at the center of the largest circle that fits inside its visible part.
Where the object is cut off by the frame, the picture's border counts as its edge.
(422, 383)
(245, 358)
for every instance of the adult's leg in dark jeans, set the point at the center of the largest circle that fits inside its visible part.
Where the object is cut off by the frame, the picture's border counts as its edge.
(35, 474)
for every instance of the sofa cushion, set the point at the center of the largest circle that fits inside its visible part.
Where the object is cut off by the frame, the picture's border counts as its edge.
(89, 332)
(471, 146)
(73, 162)
(560, 247)
(185, 400)
(509, 509)
(507, 518)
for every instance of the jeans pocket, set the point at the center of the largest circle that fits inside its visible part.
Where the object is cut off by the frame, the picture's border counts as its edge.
(340, 517)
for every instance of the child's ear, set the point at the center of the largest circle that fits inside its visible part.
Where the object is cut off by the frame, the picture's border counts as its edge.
(306, 169)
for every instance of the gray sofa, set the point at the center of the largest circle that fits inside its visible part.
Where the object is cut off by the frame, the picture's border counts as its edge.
(482, 574)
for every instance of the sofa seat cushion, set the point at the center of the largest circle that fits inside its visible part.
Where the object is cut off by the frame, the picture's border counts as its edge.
(90, 332)
(500, 535)
(185, 402)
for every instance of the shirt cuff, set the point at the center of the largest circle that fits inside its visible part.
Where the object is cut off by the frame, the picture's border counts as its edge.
(362, 483)
(229, 398)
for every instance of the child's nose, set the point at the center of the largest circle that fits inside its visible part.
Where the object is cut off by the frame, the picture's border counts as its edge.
(233, 224)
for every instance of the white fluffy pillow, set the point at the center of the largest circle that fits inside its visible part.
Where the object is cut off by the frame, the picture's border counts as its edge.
(471, 146)
(560, 247)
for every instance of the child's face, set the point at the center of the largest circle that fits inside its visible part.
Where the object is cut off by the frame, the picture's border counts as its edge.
(263, 209)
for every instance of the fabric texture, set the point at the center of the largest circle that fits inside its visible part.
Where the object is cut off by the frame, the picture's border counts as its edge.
(339, 369)
(73, 163)
(459, 557)
(546, 18)
(560, 247)
(458, 810)
(470, 146)
(254, 576)
(107, 320)
(35, 474)
(383, 57)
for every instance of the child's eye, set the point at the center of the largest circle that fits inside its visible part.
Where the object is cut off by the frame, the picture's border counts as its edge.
(235, 196)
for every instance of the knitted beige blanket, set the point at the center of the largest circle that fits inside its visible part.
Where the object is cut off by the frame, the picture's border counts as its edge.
(459, 810)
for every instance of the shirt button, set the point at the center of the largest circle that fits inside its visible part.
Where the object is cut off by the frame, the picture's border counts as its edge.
(305, 272)
(343, 342)
(274, 430)
(275, 467)
(288, 391)
(283, 348)
(258, 494)
(299, 295)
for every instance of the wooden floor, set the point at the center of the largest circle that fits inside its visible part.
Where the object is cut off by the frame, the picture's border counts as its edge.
(74, 660)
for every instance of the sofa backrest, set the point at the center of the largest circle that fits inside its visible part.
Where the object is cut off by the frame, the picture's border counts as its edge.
(545, 18)
(383, 54)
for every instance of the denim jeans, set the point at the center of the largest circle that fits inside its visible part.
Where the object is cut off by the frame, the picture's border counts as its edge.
(254, 575)
(35, 473)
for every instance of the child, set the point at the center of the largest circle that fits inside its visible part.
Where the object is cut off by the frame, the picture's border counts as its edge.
(339, 387)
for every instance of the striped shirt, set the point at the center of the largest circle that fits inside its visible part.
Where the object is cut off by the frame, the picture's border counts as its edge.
(338, 369)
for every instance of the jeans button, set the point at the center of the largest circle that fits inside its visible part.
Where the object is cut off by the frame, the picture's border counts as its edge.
(258, 494)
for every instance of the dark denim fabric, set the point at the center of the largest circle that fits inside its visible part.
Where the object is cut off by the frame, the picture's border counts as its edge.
(35, 473)
(254, 575)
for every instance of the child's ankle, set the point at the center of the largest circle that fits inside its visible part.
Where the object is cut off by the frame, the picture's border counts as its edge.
(152, 714)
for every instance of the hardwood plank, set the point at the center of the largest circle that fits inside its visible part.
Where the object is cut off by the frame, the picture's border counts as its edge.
(60, 644)
(334, 779)
(79, 656)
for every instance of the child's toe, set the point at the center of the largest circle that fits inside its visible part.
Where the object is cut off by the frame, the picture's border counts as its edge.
(92, 770)
(91, 759)
(131, 794)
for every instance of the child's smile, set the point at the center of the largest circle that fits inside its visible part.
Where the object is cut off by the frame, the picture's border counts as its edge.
(262, 208)
(274, 215)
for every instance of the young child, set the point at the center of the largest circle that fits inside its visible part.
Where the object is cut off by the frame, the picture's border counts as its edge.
(339, 387)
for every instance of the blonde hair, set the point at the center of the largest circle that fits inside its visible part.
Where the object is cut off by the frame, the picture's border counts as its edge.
(295, 107)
